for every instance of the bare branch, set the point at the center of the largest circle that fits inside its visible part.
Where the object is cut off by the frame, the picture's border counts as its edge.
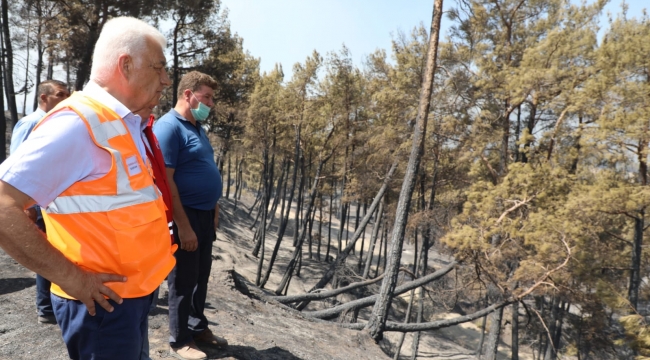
(517, 205)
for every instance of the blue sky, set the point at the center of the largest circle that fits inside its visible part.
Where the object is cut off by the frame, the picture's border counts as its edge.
(287, 31)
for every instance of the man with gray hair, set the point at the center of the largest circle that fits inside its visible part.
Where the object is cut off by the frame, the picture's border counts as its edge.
(85, 164)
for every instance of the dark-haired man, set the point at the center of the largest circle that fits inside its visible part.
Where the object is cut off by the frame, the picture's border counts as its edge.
(50, 93)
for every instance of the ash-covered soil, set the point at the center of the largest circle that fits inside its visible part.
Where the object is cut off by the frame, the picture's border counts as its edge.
(254, 329)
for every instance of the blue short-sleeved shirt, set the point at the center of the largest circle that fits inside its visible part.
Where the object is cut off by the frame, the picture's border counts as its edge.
(23, 127)
(187, 149)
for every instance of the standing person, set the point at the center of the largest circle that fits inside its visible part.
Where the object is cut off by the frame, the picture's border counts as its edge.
(195, 183)
(50, 93)
(85, 164)
(160, 179)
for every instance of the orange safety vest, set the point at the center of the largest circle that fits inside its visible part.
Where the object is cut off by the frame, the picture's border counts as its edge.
(116, 223)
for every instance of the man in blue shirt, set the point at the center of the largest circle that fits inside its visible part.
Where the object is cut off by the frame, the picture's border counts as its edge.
(50, 93)
(195, 184)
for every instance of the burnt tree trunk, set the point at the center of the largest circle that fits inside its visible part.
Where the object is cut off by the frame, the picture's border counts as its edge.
(83, 65)
(284, 221)
(423, 262)
(329, 229)
(263, 210)
(494, 335)
(515, 332)
(301, 187)
(409, 309)
(237, 181)
(258, 197)
(228, 180)
(284, 283)
(381, 244)
(479, 349)
(377, 321)
(320, 228)
(310, 226)
(280, 190)
(40, 51)
(8, 65)
(341, 226)
(240, 172)
(385, 250)
(373, 240)
(635, 274)
(363, 240)
(555, 329)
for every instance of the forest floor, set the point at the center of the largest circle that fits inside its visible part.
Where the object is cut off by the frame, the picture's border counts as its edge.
(254, 328)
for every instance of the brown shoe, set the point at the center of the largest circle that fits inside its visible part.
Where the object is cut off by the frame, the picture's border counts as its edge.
(188, 352)
(207, 337)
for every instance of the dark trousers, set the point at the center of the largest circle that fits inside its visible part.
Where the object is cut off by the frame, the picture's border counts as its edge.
(188, 281)
(43, 302)
(119, 334)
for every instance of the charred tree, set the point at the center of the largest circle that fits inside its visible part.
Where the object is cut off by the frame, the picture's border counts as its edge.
(285, 217)
(8, 56)
(377, 320)
(284, 283)
(373, 240)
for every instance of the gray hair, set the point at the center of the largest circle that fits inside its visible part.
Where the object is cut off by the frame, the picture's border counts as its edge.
(119, 36)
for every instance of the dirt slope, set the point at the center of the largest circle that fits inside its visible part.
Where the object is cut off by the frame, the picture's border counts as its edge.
(255, 329)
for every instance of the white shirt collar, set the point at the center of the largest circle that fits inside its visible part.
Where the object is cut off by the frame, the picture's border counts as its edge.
(95, 91)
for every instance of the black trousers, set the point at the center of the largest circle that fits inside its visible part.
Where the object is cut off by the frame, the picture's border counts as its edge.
(188, 280)
(43, 301)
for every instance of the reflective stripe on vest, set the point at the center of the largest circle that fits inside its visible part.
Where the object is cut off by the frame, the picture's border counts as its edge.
(104, 132)
(99, 203)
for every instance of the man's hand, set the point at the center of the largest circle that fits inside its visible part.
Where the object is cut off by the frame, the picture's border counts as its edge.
(89, 288)
(189, 241)
(20, 239)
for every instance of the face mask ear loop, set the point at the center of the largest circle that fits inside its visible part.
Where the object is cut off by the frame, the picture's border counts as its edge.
(197, 100)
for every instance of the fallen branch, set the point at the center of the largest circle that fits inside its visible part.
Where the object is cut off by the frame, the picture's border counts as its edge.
(320, 295)
(370, 300)
(434, 325)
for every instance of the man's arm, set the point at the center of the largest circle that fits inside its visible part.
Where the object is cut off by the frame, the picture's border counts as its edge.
(189, 241)
(22, 241)
(20, 133)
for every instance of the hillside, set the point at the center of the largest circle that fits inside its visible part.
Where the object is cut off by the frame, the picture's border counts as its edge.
(255, 329)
